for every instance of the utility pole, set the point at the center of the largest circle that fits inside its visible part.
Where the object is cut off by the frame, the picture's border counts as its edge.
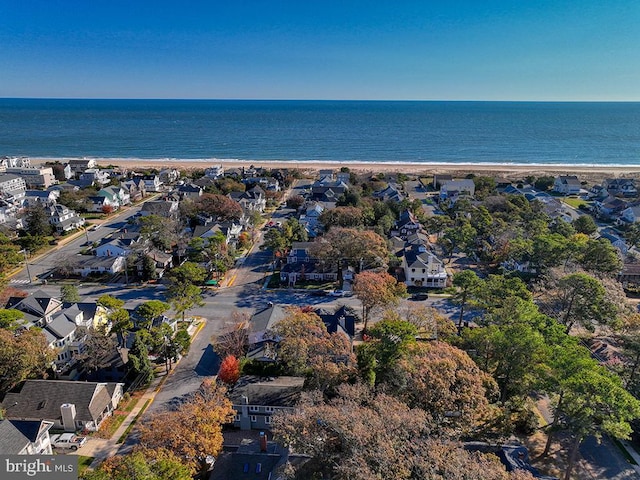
(26, 262)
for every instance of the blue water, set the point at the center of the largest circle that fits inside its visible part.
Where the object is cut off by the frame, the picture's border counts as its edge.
(455, 132)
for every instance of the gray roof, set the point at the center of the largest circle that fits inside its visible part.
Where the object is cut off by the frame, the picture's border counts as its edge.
(12, 439)
(41, 399)
(266, 318)
(38, 303)
(61, 326)
(277, 392)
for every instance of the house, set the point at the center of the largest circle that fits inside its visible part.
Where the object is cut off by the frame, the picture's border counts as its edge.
(161, 260)
(35, 177)
(214, 172)
(100, 204)
(253, 200)
(567, 185)
(120, 246)
(630, 274)
(94, 176)
(407, 224)
(64, 219)
(78, 166)
(25, 437)
(136, 188)
(117, 195)
(268, 183)
(45, 197)
(439, 179)
(609, 207)
(190, 191)
(163, 208)
(37, 307)
(230, 230)
(299, 252)
(630, 214)
(327, 189)
(598, 192)
(8, 213)
(13, 187)
(256, 399)
(391, 193)
(422, 268)
(152, 183)
(69, 405)
(622, 187)
(452, 189)
(91, 265)
(341, 320)
(169, 175)
(14, 162)
(292, 273)
(255, 460)
(262, 343)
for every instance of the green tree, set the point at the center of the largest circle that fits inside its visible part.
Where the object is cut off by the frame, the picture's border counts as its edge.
(467, 283)
(580, 299)
(99, 349)
(185, 297)
(601, 257)
(10, 319)
(585, 224)
(150, 310)
(139, 359)
(37, 221)
(544, 183)
(69, 294)
(121, 323)
(110, 302)
(597, 403)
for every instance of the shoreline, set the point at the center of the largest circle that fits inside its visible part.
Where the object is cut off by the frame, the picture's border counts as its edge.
(363, 166)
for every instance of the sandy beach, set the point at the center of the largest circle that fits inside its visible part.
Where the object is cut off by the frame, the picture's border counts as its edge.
(512, 171)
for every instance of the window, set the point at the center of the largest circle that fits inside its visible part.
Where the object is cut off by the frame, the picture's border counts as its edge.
(413, 269)
(267, 420)
(253, 418)
(254, 408)
(236, 418)
(268, 409)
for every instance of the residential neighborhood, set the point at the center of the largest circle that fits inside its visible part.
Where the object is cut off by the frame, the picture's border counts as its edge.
(139, 295)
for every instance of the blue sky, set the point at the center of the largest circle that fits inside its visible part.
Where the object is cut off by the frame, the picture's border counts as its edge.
(306, 49)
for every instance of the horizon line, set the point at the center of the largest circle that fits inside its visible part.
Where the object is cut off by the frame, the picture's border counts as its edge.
(318, 100)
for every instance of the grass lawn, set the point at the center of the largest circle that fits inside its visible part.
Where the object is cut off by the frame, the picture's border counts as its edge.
(83, 464)
(112, 423)
(130, 427)
(574, 202)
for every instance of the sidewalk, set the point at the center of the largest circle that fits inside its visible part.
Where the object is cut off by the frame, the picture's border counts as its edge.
(103, 448)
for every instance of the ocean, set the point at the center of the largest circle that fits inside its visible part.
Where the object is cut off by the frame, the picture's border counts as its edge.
(556, 133)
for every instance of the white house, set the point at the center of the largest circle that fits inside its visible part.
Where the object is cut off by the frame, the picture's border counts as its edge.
(95, 265)
(422, 268)
(95, 176)
(25, 437)
(64, 219)
(452, 189)
(567, 185)
(152, 183)
(120, 246)
(42, 177)
(214, 172)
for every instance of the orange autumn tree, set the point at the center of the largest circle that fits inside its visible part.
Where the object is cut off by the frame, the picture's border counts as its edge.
(193, 431)
(376, 290)
(307, 348)
(229, 372)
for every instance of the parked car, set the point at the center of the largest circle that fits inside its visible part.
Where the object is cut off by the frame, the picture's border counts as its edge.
(419, 296)
(68, 440)
(337, 293)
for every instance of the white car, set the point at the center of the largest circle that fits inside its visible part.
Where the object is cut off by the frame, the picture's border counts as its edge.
(68, 440)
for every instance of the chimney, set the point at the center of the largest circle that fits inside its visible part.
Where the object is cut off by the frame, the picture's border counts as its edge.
(263, 442)
(68, 411)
